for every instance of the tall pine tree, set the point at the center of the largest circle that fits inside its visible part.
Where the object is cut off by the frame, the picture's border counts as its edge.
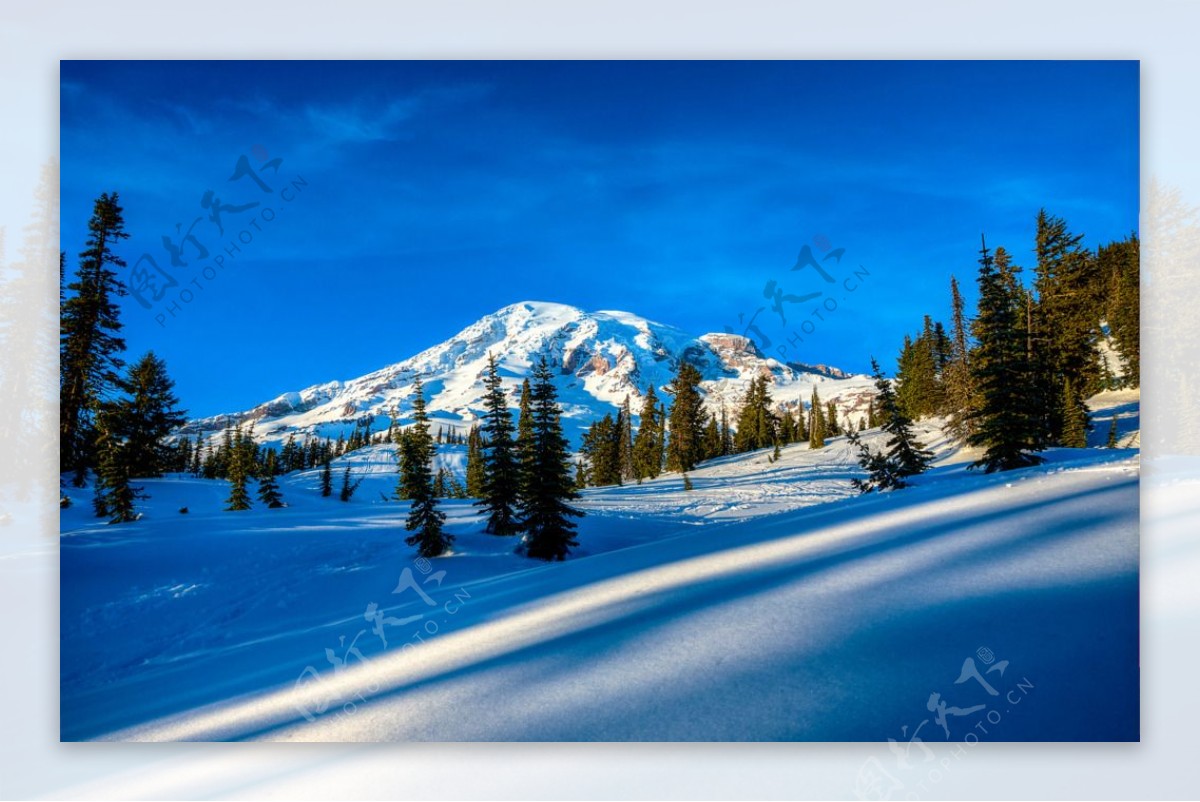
(425, 520)
(545, 512)
(501, 464)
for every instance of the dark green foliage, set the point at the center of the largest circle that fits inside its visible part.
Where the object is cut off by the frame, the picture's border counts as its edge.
(1075, 418)
(476, 474)
(958, 385)
(904, 455)
(685, 446)
(239, 470)
(326, 479)
(1118, 264)
(89, 335)
(756, 424)
(545, 514)
(268, 486)
(1112, 434)
(1006, 426)
(712, 439)
(624, 435)
(919, 390)
(602, 450)
(113, 496)
(831, 419)
(425, 520)
(524, 443)
(501, 487)
(816, 422)
(145, 415)
(348, 487)
(648, 445)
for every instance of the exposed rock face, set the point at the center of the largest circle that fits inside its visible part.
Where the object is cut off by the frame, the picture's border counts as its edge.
(601, 358)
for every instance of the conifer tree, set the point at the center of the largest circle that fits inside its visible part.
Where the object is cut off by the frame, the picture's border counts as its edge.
(501, 486)
(687, 483)
(685, 446)
(114, 496)
(816, 422)
(602, 449)
(145, 415)
(425, 520)
(326, 479)
(348, 487)
(712, 439)
(476, 475)
(647, 445)
(904, 455)
(90, 342)
(545, 512)
(524, 442)
(959, 386)
(238, 472)
(268, 486)
(1006, 426)
(625, 441)
(1112, 434)
(831, 419)
(1075, 419)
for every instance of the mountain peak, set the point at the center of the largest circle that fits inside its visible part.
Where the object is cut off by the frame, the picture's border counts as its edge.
(600, 358)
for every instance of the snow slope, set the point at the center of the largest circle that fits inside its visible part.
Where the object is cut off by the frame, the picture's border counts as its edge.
(600, 357)
(768, 603)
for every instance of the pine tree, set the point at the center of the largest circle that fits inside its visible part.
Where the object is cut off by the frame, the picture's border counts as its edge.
(425, 520)
(326, 479)
(756, 423)
(602, 449)
(545, 513)
(1112, 434)
(524, 442)
(1118, 264)
(959, 386)
(1005, 424)
(712, 439)
(625, 441)
(831, 419)
(647, 445)
(686, 421)
(348, 487)
(1075, 419)
(904, 455)
(476, 474)
(816, 422)
(146, 414)
(501, 481)
(238, 473)
(114, 496)
(268, 486)
(90, 343)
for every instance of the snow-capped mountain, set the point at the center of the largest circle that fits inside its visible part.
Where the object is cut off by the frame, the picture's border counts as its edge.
(601, 357)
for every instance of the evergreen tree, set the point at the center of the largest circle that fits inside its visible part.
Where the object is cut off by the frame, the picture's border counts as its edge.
(501, 480)
(1112, 433)
(348, 487)
(726, 433)
(756, 423)
(524, 444)
(959, 386)
(90, 327)
(326, 479)
(625, 441)
(268, 486)
(476, 474)
(602, 449)
(687, 483)
(712, 439)
(1005, 425)
(647, 446)
(831, 419)
(686, 421)
(545, 513)
(1118, 264)
(146, 414)
(904, 455)
(816, 422)
(238, 472)
(114, 495)
(1075, 422)
(425, 520)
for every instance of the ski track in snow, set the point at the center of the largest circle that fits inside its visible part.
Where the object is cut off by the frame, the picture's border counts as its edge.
(770, 602)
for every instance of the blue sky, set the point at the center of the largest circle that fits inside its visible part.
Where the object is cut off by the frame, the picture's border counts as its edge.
(411, 198)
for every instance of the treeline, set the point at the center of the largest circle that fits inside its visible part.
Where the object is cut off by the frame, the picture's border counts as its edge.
(1012, 380)
(688, 434)
(521, 474)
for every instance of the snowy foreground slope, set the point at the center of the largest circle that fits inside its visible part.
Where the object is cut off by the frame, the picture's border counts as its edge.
(769, 603)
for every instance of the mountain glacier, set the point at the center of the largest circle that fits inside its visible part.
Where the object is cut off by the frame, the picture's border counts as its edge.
(601, 357)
